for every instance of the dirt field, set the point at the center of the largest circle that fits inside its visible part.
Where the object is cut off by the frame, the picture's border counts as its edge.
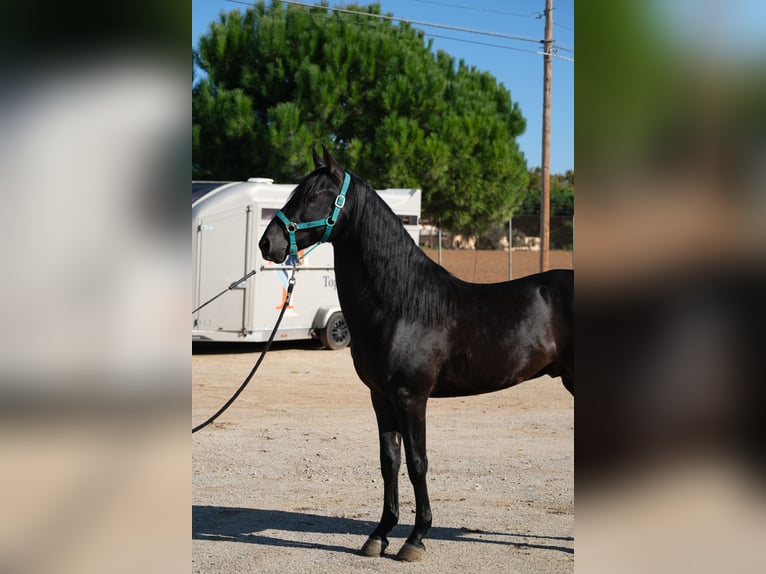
(288, 480)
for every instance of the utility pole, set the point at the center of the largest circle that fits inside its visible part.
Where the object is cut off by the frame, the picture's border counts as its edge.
(545, 196)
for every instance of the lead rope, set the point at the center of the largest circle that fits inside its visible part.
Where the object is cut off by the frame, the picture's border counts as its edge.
(290, 287)
(229, 288)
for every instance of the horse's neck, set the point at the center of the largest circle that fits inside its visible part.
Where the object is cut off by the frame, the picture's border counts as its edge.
(379, 268)
(375, 248)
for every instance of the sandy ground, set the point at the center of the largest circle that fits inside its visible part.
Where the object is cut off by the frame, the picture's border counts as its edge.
(287, 480)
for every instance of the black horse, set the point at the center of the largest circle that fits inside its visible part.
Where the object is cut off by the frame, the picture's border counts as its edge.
(416, 330)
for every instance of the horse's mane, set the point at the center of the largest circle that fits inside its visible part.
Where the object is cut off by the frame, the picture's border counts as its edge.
(401, 277)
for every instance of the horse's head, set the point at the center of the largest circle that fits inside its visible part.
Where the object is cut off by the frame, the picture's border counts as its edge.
(311, 213)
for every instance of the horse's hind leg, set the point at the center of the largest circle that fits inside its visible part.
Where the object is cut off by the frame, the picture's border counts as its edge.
(390, 461)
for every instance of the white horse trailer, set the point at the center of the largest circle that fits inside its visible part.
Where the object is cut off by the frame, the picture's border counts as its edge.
(228, 219)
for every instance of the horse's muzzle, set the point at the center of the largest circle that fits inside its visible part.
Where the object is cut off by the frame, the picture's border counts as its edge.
(273, 243)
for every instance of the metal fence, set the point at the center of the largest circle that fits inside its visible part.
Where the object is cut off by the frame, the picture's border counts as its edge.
(525, 235)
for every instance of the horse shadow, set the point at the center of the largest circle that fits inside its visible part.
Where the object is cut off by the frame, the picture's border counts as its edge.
(247, 525)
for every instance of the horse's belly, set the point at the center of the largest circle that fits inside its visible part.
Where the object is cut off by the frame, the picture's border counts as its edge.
(427, 363)
(474, 385)
(467, 375)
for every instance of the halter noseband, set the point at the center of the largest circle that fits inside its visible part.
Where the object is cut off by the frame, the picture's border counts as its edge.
(329, 223)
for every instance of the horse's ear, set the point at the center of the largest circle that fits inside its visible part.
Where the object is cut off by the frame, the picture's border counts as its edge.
(317, 160)
(330, 162)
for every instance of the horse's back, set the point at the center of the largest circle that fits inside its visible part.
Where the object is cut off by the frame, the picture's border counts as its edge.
(511, 301)
(506, 333)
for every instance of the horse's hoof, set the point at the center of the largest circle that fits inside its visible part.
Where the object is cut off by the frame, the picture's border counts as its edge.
(374, 547)
(411, 552)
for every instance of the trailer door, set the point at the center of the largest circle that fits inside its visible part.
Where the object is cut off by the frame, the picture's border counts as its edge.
(222, 245)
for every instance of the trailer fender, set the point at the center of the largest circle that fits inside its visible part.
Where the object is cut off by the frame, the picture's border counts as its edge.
(323, 315)
(331, 328)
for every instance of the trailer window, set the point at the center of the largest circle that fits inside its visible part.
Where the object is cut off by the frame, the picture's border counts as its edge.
(409, 219)
(268, 213)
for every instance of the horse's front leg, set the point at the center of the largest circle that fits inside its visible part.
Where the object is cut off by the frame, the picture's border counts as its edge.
(411, 413)
(390, 461)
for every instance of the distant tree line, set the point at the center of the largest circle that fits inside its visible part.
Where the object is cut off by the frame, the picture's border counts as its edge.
(526, 221)
(562, 194)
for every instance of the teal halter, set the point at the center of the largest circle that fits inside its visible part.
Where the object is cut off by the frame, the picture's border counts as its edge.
(329, 223)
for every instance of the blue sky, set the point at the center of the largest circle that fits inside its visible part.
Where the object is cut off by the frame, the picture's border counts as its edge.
(521, 72)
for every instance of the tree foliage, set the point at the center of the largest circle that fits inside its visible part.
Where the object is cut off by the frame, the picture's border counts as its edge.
(282, 79)
(562, 194)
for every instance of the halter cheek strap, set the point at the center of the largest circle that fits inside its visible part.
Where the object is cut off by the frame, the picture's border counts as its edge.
(329, 223)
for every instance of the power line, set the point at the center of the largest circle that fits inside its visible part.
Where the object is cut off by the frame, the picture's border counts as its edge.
(475, 9)
(491, 45)
(531, 15)
(407, 21)
(434, 25)
(430, 35)
(556, 24)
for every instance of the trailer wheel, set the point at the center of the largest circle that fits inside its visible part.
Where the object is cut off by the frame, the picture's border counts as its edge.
(335, 334)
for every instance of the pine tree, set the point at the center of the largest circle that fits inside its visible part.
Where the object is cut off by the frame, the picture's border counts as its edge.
(283, 79)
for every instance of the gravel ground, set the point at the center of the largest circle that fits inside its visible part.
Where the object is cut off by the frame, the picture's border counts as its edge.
(288, 480)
